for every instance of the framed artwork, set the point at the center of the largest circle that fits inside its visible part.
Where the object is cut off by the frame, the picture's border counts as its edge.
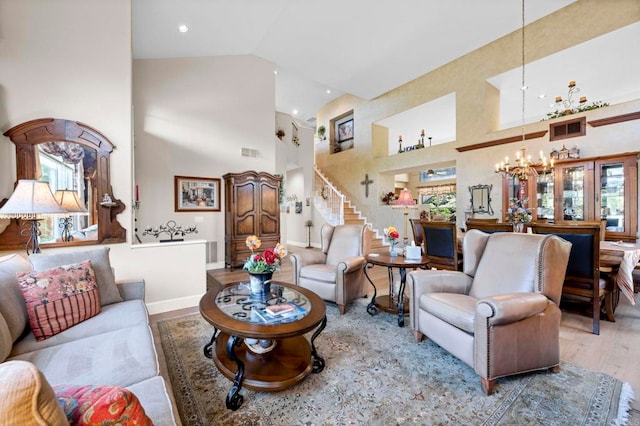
(298, 207)
(196, 194)
(344, 130)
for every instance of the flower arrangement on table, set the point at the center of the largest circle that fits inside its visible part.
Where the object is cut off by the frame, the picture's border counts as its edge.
(392, 235)
(517, 213)
(389, 197)
(264, 263)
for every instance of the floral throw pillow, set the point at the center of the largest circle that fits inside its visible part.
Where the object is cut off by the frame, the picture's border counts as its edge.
(101, 405)
(59, 298)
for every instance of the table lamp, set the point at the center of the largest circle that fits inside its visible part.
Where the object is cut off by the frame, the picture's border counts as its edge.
(69, 201)
(30, 200)
(405, 201)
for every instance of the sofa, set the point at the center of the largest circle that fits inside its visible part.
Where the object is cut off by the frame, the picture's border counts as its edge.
(113, 348)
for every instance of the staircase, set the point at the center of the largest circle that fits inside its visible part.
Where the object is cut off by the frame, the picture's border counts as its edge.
(336, 209)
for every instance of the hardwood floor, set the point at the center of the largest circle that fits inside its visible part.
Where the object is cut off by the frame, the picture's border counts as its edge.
(615, 351)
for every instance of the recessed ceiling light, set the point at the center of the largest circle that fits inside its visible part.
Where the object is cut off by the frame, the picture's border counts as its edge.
(524, 87)
(328, 91)
(183, 28)
(295, 112)
(275, 72)
(542, 96)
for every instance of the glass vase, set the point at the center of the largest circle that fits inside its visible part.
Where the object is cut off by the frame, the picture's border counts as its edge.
(518, 227)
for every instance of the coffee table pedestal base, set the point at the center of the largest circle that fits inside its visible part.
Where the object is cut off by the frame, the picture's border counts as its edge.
(286, 365)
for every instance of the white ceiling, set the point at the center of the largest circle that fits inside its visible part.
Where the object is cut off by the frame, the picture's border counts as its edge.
(362, 47)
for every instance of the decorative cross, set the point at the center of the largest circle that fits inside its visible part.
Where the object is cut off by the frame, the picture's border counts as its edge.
(366, 183)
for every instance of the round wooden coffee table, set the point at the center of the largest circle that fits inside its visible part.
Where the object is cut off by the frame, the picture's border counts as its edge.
(256, 349)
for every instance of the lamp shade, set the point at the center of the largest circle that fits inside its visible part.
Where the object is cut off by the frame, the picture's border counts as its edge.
(30, 199)
(405, 198)
(69, 201)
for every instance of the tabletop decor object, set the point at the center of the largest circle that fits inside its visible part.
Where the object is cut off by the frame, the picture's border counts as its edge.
(392, 235)
(30, 200)
(262, 266)
(172, 229)
(518, 215)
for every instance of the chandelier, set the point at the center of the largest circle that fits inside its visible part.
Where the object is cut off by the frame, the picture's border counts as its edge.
(523, 166)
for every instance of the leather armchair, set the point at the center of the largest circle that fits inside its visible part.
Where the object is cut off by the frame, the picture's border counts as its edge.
(335, 272)
(501, 314)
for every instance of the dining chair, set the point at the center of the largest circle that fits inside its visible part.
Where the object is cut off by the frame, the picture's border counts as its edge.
(416, 228)
(440, 245)
(490, 227)
(483, 220)
(583, 281)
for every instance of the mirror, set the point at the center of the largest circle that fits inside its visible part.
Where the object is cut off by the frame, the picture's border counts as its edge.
(481, 199)
(70, 155)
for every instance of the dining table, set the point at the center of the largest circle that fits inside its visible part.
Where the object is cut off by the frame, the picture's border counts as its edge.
(624, 257)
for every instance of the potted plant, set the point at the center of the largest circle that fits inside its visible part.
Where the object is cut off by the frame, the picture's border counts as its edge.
(321, 132)
(280, 134)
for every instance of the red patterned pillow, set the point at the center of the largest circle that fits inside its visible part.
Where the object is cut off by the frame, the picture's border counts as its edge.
(59, 298)
(101, 405)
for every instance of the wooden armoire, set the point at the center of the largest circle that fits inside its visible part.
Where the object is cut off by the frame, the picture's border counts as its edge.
(252, 207)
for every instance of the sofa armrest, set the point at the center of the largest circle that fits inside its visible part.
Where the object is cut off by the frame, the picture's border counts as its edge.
(350, 264)
(510, 308)
(131, 289)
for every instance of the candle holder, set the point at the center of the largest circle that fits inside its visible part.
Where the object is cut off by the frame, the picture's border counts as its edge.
(172, 229)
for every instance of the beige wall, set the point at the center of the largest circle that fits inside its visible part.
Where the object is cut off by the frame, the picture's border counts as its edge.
(476, 113)
(72, 59)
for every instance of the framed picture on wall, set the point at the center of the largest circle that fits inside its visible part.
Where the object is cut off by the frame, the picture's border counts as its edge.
(196, 194)
(344, 130)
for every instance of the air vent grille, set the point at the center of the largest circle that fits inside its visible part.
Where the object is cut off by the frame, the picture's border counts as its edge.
(248, 152)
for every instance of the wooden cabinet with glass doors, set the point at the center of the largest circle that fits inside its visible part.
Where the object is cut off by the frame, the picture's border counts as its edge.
(587, 189)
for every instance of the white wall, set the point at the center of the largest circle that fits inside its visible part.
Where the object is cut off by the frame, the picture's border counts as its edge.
(192, 117)
(71, 59)
(298, 160)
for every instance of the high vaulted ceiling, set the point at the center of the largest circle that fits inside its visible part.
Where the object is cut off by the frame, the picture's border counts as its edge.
(361, 47)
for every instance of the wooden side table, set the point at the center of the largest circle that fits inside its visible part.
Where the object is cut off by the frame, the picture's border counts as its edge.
(391, 303)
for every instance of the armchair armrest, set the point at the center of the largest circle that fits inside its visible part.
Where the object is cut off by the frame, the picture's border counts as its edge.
(307, 257)
(350, 264)
(437, 281)
(513, 307)
(303, 258)
(131, 289)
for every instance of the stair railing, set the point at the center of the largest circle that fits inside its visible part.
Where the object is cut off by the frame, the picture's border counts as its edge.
(328, 199)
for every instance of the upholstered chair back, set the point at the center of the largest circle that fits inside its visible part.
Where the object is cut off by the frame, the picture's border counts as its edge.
(513, 263)
(345, 241)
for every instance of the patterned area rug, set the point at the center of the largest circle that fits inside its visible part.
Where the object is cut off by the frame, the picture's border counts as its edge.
(376, 374)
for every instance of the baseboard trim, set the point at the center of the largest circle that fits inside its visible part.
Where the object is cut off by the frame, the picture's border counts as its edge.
(173, 304)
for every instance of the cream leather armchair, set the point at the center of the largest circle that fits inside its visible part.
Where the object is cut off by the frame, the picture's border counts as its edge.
(335, 272)
(501, 314)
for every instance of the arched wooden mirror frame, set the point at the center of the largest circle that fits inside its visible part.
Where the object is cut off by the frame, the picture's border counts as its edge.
(31, 133)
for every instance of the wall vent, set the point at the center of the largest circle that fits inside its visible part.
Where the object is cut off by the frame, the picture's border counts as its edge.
(212, 251)
(568, 129)
(248, 152)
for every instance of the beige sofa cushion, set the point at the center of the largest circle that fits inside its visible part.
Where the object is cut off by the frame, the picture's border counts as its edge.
(12, 306)
(26, 398)
(99, 260)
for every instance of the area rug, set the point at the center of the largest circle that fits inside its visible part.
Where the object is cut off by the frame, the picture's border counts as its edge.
(377, 374)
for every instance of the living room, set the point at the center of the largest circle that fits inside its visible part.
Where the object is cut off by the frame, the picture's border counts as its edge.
(191, 116)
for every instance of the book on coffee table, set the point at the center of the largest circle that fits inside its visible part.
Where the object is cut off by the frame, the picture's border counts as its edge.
(283, 310)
